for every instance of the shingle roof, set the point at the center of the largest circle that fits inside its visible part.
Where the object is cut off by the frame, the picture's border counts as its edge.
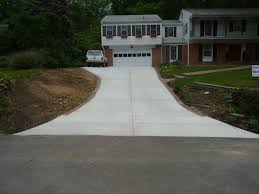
(224, 12)
(130, 19)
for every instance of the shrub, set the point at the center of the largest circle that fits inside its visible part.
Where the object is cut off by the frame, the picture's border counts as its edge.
(3, 62)
(26, 60)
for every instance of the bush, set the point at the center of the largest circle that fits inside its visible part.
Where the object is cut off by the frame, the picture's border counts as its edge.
(26, 60)
(175, 63)
(3, 62)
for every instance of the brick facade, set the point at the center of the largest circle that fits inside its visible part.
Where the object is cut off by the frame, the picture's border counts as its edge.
(165, 54)
(108, 55)
(156, 55)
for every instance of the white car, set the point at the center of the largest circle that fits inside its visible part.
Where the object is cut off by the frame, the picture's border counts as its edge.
(96, 58)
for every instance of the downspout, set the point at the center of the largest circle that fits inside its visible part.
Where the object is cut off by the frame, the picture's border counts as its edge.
(188, 61)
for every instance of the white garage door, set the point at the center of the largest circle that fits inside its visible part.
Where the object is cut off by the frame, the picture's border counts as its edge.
(132, 57)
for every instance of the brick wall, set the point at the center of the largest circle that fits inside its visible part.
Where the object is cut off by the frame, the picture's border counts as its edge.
(185, 54)
(156, 55)
(108, 55)
(165, 54)
(221, 53)
(194, 50)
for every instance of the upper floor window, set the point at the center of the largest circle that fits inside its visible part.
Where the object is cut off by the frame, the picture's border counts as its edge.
(235, 26)
(138, 31)
(158, 29)
(153, 30)
(124, 31)
(170, 31)
(148, 30)
(143, 30)
(109, 31)
(208, 28)
(129, 30)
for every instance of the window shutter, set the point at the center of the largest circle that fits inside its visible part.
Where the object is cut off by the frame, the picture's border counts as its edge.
(214, 53)
(119, 30)
(231, 27)
(174, 31)
(201, 28)
(180, 52)
(215, 28)
(104, 30)
(166, 31)
(133, 30)
(200, 52)
(114, 30)
(244, 26)
(158, 30)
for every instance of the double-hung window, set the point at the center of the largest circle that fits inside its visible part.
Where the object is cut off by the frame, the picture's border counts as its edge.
(124, 31)
(170, 31)
(109, 32)
(208, 28)
(153, 32)
(138, 31)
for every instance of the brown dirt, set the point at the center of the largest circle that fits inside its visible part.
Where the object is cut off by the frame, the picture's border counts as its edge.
(42, 98)
(214, 103)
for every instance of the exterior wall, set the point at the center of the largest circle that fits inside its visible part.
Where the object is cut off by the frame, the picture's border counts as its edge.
(252, 56)
(165, 53)
(223, 27)
(156, 56)
(194, 57)
(131, 40)
(185, 54)
(221, 53)
(108, 54)
(185, 19)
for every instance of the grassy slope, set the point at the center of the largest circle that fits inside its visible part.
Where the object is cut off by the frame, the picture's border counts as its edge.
(18, 74)
(239, 78)
(169, 71)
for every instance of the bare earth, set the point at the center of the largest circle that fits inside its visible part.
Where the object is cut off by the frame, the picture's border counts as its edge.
(53, 93)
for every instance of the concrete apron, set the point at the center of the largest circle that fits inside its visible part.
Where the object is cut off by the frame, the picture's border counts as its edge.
(132, 101)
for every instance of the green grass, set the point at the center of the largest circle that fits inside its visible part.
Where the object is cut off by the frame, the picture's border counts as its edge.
(169, 70)
(238, 78)
(18, 74)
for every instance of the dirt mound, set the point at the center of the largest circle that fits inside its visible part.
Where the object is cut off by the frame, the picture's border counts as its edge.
(42, 98)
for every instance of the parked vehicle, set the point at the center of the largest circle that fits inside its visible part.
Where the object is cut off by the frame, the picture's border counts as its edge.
(95, 58)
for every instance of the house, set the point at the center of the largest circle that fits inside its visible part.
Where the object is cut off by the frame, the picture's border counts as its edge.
(199, 36)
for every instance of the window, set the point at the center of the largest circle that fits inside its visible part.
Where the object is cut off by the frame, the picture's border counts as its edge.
(207, 51)
(134, 55)
(144, 54)
(149, 54)
(124, 31)
(129, 55)
(170, 31)
(185, 29)
(143, 30)
(119, 30)
(139, 54)
(120, 55)
(109, 31)
(158, 29)
(129, 30)
(208, 28)
(148, 30)
(133, 30)
(115, 55)
(138, 31)
(104, 30)
(173, 53)
(153, 30)
(235, 26)
(125, 55)
(244, 26)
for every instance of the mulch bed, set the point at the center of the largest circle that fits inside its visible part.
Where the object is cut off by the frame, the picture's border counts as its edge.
(42, 98)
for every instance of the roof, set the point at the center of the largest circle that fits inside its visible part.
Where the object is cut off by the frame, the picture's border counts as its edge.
(171, 22)
(224, 12)
(130, 19)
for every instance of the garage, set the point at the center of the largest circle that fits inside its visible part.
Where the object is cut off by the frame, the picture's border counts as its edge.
(132, 57)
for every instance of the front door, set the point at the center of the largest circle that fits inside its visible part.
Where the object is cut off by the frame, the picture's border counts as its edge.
(173, 53)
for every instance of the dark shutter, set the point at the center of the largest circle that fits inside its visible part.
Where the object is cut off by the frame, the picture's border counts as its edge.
(244, 26)
(201, 28)
(200, 53)
(119, 30)
(174, 31)
(215, 28)
(166, 31)
(133, 30)
(214, 53)
(114, 30)
(180, 52)
(129, 30)
(104, 30)
(231, 27)
(158, 30)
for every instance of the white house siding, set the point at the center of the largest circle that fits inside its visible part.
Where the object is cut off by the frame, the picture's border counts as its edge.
(132, 40)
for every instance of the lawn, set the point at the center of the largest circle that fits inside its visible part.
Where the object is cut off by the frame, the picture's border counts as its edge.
(169, 70)
(238, 78)
(18, 74)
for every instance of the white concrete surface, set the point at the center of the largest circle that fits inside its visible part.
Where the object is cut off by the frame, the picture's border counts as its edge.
(132, 101)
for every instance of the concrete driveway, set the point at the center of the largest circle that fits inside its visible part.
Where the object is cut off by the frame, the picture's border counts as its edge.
(132, 101)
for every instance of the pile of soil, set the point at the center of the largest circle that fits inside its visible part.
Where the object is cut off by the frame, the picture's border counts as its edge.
(215, 103)
(42, 98)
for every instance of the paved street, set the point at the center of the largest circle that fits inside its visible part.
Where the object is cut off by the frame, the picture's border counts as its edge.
(127, 165)
(132, 101)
